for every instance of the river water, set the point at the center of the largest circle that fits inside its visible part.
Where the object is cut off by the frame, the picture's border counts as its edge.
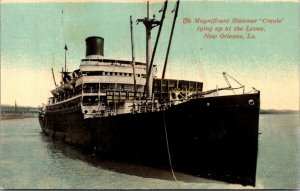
(30, 160)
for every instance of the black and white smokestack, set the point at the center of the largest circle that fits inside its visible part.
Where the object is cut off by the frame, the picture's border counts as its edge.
(94, 46)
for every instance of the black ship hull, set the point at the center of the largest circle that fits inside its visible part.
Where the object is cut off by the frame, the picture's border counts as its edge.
(213, 137)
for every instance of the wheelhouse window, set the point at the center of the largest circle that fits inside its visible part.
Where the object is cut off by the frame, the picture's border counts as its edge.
(90, 100)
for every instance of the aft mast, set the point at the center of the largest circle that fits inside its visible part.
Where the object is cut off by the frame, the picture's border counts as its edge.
(133, 56)
(66, 49)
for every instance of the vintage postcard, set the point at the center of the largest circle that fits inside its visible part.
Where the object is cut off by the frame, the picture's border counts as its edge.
(158, 94)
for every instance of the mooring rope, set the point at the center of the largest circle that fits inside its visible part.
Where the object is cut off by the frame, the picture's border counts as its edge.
(169, 154)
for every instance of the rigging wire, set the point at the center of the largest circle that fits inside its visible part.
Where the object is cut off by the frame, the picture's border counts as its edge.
(62, 13)
(168, 149)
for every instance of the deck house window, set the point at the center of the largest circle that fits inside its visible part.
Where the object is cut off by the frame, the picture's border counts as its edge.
(90, 100)
(103, 87)
(91, 87)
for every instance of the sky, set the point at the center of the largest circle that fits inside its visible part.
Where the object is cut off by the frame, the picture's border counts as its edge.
(33, 36)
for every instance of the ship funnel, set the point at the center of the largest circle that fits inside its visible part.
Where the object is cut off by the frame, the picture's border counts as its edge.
(94, 46)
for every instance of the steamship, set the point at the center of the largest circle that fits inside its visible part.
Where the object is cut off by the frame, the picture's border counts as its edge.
(120, 109)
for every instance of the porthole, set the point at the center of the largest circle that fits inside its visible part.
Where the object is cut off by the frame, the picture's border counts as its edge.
(251, 102)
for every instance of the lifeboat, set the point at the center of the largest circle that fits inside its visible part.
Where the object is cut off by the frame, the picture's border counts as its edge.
(67, 86)
(54, 92)
(60, 89)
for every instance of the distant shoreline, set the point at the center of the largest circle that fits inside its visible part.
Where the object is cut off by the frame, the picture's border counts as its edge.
(5, 116)
(8, 112)
(274, 111)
